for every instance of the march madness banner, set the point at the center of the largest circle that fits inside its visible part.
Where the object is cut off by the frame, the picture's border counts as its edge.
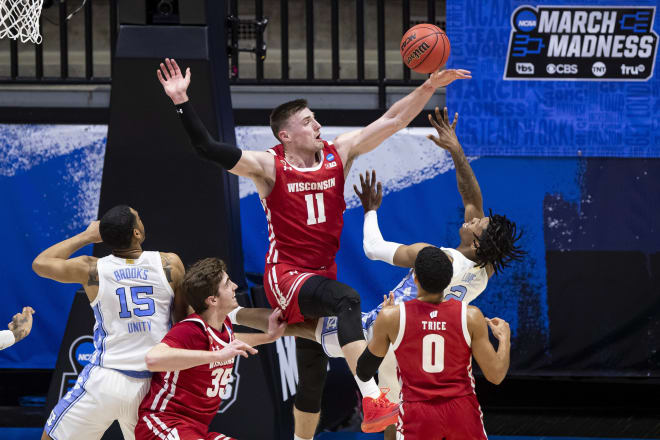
(556, 78)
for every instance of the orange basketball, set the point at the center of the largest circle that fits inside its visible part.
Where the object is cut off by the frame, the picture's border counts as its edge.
(425, 48)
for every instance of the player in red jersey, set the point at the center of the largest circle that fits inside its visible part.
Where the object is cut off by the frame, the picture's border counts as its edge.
(194, 361)
(434, 342)
(301, 186)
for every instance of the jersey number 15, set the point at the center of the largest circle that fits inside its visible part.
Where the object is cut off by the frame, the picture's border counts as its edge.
(137, 301)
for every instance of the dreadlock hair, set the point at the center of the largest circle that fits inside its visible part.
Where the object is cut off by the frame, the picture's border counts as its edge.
(433, 269)
(201, 281)
(281, 114)
(116, 227)
(497, 244)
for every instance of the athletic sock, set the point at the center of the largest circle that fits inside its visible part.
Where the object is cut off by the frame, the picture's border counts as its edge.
(368, 388)
(295, 437)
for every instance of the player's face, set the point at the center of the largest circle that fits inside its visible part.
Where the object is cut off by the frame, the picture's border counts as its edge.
(139, 225)
(474, 227)
(304, 132)
(227, 294)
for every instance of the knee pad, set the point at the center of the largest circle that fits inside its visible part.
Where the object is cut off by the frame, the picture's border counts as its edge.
(312, 372)
(349, 316)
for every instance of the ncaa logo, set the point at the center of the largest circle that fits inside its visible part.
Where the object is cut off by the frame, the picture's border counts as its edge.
(84, 352)
(598, 69)
(525, 68)
(525, 20)
(330, 157)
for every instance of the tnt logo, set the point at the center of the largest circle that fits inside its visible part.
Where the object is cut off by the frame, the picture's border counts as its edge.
(632, 70)
(598, 69)
(525, 68)
(433, 314)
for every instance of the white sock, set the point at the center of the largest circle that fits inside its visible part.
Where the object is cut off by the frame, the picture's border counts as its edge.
(295, 437)
(368, 388)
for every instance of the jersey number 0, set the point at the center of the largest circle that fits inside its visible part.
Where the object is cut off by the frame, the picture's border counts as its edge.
(433, 353)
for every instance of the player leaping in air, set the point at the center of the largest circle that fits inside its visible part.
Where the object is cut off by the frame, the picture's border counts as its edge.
(301, 186)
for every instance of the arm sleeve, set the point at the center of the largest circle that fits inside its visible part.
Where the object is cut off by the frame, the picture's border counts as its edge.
(375, 247)
(186, 335)
(226, 155)
(367, 365)
(6, 339)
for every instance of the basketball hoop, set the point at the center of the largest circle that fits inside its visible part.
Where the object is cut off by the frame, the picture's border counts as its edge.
(20, 19)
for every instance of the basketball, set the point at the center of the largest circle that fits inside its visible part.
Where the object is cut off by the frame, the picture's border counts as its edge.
(425, 48)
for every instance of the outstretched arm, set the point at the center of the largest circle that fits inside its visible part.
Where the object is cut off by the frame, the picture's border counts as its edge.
(352, 144)
(374, 245)
(275, 330)
(54, 262)
(494, 364)
(19, 328)
(468, 186)
(257, 165)
(162, 357)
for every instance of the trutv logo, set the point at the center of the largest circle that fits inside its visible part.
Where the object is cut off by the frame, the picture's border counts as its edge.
(574, 43)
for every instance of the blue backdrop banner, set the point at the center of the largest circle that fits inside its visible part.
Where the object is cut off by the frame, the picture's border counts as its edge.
(556, 78)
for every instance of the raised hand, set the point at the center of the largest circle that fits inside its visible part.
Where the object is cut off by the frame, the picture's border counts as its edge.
(442, 78)
(173, 82)
(446, 132)
(500, 328)
(388, 300)
(21, 323)
(372, 192)
(92, 232)
(276, 325)
(235, 348)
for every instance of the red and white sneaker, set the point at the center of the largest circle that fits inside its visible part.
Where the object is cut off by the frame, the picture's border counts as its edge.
(379, 413)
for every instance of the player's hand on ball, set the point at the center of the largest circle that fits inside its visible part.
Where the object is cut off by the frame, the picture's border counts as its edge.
(500, 328)
(92, 232)
(446, 132)
(235, 348)
(173, 82)
(372, 191)
(276, 325)
(442, 78)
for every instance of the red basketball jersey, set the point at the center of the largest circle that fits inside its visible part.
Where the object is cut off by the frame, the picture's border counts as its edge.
(195, 393)
(433, 351)
(305, 210)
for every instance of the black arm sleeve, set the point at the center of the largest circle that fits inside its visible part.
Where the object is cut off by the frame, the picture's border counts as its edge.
(227, 156)
(367, 365)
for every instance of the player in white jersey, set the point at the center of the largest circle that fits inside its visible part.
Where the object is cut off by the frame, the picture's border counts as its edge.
(132, 293)
(487, 244)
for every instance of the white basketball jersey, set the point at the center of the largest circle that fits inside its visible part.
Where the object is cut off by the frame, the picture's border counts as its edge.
(468, 281)
(132, 311)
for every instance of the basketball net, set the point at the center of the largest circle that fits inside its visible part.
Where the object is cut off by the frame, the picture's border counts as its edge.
(20, 19)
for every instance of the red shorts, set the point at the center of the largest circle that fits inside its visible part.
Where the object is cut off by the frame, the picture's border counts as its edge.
(454, 419)
(282, 282)
(157, 426)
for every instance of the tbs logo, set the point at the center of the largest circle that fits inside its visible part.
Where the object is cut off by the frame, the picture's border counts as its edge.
(525, 68)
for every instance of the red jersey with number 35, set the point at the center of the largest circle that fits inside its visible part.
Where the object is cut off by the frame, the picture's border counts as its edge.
(433, 351)
(305, 210)
(195, 393)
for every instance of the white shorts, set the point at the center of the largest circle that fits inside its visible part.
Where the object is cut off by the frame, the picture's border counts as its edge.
(99, 397)
(326, 334)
